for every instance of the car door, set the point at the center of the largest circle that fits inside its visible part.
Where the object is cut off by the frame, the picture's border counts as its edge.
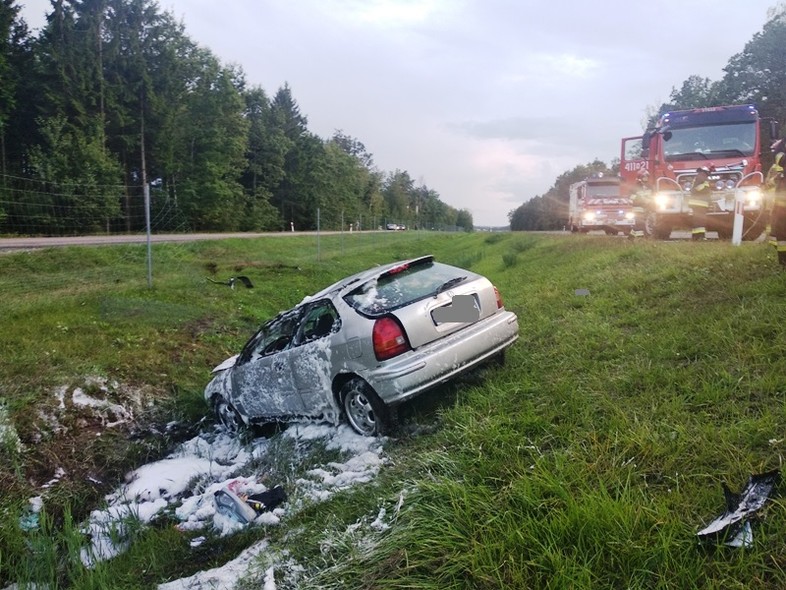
(312, 357)
(262, 380)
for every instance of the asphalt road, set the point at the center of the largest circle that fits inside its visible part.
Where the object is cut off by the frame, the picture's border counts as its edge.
(53, 242)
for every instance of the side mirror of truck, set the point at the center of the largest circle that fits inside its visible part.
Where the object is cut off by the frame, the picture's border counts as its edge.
(774, 129)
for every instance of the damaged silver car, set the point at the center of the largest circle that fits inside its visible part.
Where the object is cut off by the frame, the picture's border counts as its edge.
(362, 346)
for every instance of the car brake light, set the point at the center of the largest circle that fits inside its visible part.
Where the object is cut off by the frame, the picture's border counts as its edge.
(500, 304)
(397, 269)
(388, 338)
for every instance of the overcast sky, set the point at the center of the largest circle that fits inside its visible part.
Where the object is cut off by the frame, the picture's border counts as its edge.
(484, 101)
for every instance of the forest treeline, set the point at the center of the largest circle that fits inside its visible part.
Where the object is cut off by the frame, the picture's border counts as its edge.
(112, 95)
(757, 75)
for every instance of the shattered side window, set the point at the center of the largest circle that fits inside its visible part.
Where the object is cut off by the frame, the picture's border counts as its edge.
(272, 337)
(318, 321)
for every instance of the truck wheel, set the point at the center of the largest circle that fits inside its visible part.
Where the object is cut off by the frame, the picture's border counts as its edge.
(649, 224)
(655, 227)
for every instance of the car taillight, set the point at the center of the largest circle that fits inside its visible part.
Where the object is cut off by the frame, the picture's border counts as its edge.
(500, 304)
(389, 339)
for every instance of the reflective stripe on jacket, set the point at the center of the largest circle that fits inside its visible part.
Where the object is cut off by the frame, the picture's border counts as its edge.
(700, 195)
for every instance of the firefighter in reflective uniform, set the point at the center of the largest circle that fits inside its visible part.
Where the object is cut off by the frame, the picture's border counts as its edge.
(699, 202)
(770, 184)
(777, 183)
(641, 201)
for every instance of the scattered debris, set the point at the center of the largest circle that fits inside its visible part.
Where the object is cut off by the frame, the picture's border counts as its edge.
(267, 500)
(29, 521)
(232, 280)
(197, 541)
(205, 482)
(246, 507)
(581, 292)
(230, 504)
(60, 473)
(733, 527)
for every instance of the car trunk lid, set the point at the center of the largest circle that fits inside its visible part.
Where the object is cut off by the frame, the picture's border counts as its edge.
(435, 317)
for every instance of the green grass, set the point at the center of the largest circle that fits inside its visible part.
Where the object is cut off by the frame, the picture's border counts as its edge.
(589, 460)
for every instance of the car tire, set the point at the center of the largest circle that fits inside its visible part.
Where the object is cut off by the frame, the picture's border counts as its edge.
(227, 416)
(362, 408)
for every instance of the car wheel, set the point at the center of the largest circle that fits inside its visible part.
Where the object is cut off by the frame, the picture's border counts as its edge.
(363, 409)
(228, 416)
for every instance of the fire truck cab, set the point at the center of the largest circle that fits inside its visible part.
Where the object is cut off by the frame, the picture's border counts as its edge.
(725, 139)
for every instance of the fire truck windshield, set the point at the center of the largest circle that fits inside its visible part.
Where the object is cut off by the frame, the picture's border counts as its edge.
(603, 190)
(711, 141)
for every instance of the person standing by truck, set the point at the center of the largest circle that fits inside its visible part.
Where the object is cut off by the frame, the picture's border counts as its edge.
(776, 182)
(699, 202)
(641, 202)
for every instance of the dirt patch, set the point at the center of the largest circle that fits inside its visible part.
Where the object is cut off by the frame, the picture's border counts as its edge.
(78, 442)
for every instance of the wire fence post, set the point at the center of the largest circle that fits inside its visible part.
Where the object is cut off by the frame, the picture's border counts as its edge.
(318, 251)
(146, 189)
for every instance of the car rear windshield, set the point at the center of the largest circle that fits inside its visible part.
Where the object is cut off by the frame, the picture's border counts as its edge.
(403, 285)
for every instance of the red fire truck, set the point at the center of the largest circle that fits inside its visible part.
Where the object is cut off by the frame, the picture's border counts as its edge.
(596, 204)
(725, 139)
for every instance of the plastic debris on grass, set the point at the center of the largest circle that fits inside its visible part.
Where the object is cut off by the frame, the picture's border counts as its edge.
(184, 485)
(733, 527)
(246, 507)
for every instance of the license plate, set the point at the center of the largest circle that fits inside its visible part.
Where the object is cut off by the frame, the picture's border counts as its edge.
(462, 309)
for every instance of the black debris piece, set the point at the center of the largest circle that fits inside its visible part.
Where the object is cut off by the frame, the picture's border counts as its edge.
(267, 500)
(732, 527)
(232, 280)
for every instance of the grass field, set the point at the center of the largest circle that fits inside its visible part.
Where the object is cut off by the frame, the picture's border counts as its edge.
(590, 460)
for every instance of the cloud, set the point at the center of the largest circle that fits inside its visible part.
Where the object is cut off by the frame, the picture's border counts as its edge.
(392, 13)
(551, 68)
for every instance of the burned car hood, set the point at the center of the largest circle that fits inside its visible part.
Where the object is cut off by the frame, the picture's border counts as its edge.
(227, 364)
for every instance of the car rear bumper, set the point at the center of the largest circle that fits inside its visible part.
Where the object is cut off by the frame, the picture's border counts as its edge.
(404, 377)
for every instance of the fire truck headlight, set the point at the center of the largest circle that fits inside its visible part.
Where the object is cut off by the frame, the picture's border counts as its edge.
(719, 185)
(730, 184)
(753, 198)
(662, 201)
(630, 215)
(589, 216)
